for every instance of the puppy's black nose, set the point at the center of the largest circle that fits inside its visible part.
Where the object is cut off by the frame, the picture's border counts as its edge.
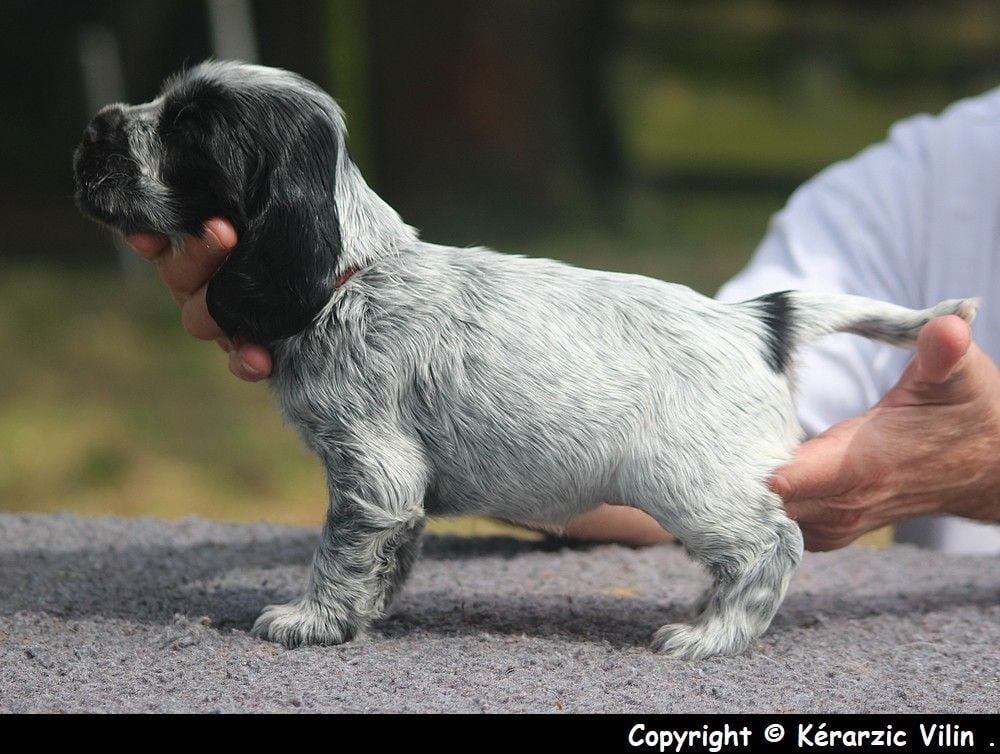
(105, 124)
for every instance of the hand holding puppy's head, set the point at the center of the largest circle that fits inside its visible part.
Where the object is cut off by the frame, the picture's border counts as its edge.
(262, 147)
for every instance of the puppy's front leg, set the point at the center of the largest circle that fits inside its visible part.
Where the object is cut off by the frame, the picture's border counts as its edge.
(369, 541)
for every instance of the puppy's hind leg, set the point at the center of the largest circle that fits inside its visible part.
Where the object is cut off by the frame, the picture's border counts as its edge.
(751, 550)
(369, 541)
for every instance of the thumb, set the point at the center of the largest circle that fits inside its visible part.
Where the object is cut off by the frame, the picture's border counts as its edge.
(936, 370)
(940, 347)
(817, 468)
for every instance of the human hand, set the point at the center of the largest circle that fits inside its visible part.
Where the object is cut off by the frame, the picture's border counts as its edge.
(617, 523)
(930, 446)
(186, 273)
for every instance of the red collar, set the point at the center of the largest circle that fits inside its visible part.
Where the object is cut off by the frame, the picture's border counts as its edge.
(344, 276)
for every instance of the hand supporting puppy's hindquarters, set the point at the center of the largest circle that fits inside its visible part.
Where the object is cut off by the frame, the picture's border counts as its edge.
(930, 446)
(186, 274)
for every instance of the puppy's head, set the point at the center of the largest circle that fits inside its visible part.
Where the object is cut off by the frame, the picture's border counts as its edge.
(262, 147)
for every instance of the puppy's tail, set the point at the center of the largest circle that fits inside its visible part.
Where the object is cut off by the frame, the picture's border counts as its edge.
(793, 318)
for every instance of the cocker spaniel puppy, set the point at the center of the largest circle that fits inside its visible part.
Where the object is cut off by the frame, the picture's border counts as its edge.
(438, 380)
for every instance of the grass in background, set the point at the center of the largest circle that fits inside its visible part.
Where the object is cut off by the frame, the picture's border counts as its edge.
(106, 406)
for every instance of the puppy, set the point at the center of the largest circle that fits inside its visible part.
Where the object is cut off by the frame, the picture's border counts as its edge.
(437, 380)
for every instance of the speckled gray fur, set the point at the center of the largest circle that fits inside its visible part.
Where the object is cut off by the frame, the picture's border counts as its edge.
(443, 380)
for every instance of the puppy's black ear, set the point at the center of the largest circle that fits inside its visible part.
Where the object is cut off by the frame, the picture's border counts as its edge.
(282, 271)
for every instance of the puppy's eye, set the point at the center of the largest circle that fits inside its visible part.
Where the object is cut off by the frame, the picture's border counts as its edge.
(179, 119)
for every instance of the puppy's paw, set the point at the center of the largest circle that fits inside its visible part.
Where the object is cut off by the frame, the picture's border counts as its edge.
(303, 621)
(697, 641)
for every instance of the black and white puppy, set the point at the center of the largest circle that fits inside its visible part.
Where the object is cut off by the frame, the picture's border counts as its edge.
(438, 380)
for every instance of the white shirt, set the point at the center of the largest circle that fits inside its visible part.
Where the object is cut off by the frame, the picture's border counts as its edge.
(912, 220)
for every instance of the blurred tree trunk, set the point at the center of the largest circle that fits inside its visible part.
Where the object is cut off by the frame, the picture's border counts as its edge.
(516, 84)
(349, 53)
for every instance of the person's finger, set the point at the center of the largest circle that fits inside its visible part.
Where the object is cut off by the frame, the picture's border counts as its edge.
(223, 231)
(196, 319)
(817, 469)
(826, 527)
(822, 513)
(148, 245)
(936, 373)
(188, 270)
(250, 362)
(817, 540)
(940, 347)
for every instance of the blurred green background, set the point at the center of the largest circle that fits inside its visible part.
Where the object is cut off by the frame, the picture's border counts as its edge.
(642, 135)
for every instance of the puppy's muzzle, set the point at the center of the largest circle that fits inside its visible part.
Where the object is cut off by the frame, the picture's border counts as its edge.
(105, 170)
(107, 127)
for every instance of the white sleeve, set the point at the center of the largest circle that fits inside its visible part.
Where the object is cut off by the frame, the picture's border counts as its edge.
(858, 227)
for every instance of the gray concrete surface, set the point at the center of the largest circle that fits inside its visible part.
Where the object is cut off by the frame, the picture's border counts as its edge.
(147, 615)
